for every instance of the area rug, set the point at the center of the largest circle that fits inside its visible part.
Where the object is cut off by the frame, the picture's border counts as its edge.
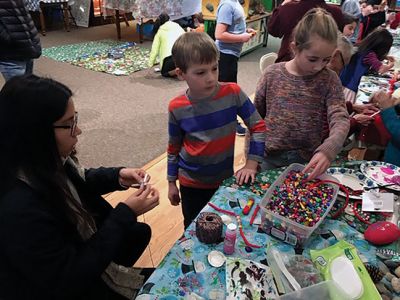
(100, 56)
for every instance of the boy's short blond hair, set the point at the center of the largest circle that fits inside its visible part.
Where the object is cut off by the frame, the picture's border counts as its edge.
(194, 48)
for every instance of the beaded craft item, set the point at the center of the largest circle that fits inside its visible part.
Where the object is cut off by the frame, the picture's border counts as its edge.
(299, 200)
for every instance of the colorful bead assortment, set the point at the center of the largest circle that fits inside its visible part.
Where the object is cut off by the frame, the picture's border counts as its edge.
(299, 201)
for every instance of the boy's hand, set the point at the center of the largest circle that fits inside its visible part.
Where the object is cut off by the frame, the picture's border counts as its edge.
(251, 31)
(173, 193)
(245, 37)
(318, 164)
(247, 172)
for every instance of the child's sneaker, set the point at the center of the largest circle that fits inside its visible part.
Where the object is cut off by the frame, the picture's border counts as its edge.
(240, 130)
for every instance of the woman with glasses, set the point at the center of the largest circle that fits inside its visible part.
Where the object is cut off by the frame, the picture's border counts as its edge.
(59, 239)
(360, 113)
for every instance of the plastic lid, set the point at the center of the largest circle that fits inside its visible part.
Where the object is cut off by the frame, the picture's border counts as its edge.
(232, 227)
(344, 274)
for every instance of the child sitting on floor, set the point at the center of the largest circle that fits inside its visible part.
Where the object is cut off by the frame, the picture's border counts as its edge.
(202, 126)
(297, 96)
(369, 56)
(166, 33)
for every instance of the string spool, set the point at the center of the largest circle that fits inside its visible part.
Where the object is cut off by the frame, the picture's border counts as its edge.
(209, 228)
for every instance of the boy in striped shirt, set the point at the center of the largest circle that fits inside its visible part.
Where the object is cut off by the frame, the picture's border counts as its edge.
(202, 127)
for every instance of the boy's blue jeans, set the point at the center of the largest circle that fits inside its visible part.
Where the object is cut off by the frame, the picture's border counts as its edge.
(11, 68)
(281, 159)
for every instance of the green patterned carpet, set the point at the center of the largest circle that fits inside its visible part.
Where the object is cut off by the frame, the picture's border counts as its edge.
(94, 56)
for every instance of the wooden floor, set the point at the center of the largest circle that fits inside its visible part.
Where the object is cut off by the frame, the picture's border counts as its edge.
(166, 221)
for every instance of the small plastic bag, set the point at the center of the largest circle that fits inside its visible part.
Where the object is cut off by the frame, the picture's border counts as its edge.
(292, 272)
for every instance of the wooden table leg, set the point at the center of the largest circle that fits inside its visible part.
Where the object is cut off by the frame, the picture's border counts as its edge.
(64, 6)
(41, 17)
(126, 20)
(117, 24)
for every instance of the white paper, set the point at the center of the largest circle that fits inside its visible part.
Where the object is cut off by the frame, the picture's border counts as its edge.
(374, 201)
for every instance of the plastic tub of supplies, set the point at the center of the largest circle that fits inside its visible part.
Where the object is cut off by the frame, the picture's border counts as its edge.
(283, 228)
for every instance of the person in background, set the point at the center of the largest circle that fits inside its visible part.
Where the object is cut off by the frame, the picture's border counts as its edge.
(373, 15)
(285, 17)
(369, 56)
(360, 113)
(295, 98)
(166, 33)
(390, 114)
(59, 239)
(19, 40)
(230, 35)
(201, 126)
(351, 7)
(349, 25)
(198, 23)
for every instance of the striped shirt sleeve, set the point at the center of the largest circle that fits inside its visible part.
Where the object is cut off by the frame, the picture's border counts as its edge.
(175, 139)
(255, 124)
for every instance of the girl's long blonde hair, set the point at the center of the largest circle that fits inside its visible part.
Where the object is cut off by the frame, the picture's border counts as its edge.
(316, 21)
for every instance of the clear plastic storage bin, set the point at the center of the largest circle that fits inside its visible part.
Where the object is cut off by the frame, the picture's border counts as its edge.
(283, 228)
(325, 290)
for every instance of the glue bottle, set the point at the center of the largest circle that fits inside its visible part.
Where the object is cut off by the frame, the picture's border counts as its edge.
(230, 239)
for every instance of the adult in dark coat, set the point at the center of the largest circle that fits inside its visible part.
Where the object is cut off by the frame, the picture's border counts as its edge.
(285, 17)
(19, 40)
(59, 239)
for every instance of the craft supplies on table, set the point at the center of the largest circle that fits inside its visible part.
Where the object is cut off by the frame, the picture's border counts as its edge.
(179, 276)
(382, 173)
(342, 264)
(230, 239)
(209, 228)
(292, 208)
(292, 272)
(247, 279)
(353, 180)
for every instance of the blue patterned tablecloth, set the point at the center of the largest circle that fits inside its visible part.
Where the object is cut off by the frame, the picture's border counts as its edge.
(176, 277)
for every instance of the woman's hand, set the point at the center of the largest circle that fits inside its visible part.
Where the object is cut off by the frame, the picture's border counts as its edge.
(143, 200)
(363, 120)
(318, 164)
(129, 176)
(383, 99)
(248, 172)
(173, 193)
(366, 109)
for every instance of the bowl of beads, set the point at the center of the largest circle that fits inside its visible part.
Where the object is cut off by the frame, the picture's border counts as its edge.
(294, 207)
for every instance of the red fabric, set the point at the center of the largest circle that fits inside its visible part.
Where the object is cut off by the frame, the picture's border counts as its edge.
(375, 133)
(396, 21)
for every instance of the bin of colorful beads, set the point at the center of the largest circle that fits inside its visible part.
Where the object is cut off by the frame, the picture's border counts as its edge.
(294, 207)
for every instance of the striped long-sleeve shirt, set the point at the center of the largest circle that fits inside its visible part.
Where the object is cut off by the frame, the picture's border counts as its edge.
(202, 136)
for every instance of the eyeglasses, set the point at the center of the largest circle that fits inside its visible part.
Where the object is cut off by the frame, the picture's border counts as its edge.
(341, 57)
(72, 127)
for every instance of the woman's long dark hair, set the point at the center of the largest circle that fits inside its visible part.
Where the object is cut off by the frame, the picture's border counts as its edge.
(29, 105)
(379, 41)
(161, 19)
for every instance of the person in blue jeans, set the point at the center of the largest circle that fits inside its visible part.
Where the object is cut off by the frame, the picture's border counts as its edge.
(19, 39)
(230, 35)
